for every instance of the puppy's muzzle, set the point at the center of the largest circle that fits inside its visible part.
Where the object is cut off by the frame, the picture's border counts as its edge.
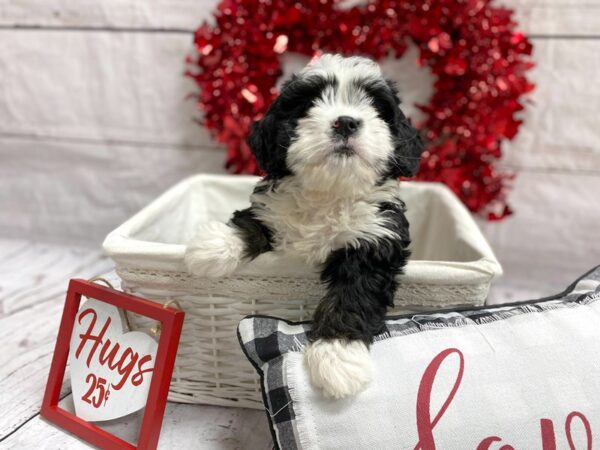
(346, 126)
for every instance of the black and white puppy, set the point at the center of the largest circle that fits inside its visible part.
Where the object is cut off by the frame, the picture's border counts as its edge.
(332, 145)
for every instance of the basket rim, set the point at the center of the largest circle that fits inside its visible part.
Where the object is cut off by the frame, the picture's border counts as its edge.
(128, 252)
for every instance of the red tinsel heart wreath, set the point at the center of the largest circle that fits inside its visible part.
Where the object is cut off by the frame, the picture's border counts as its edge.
(472, 48)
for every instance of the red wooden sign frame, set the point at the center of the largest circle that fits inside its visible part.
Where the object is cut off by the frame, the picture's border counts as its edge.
(171, 320)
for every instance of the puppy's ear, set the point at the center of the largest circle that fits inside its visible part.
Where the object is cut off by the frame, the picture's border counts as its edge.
(408, 145)
(408, 150)
(258, 141)
(265, 145)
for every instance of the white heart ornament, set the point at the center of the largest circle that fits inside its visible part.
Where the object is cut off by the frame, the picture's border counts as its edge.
(111, 370)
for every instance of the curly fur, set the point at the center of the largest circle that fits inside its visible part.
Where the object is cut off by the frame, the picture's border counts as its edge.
(332, 144)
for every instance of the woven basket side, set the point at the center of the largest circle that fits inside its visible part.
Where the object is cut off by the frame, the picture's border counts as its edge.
(300, 289)
(210, 367)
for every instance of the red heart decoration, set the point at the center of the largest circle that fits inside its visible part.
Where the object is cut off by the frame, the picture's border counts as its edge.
(471, 47)
(111, 370)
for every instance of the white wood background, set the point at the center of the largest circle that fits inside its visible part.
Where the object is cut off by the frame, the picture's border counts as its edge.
(94, 123)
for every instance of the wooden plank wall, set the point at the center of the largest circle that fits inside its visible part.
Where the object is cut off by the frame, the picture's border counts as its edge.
(94, 123)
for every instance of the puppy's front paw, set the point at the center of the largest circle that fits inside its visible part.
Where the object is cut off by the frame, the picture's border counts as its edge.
(215, 251)
(338, 367)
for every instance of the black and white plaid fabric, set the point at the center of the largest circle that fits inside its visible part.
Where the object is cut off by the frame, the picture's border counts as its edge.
(266, 341)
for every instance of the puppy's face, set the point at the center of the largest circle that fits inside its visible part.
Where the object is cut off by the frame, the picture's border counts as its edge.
(337, 125)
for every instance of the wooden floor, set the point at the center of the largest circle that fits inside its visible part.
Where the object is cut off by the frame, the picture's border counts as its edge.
(33, 281)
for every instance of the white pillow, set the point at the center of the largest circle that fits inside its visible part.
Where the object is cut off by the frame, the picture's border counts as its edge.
(525, 375)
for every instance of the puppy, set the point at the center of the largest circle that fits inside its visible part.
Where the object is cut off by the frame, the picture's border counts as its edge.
(332, 146)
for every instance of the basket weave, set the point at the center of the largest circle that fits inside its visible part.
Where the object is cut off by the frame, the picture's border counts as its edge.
(210, 367)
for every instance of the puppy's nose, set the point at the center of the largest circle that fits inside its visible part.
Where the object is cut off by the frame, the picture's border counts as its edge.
(346, 125)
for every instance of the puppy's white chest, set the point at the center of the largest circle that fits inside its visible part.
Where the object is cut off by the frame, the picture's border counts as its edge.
(315, 229)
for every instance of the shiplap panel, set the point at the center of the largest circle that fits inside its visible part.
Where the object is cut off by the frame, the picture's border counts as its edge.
(128, 88)
(544, 17)
(158, 14)
(72, 192)
(123, 87)
(560, 129)
(552, 237)
(556, 17)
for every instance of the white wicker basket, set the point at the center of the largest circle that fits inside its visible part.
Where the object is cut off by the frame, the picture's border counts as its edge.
(451, 264)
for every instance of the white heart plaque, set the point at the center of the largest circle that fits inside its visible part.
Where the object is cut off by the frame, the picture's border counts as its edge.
(111, 370)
